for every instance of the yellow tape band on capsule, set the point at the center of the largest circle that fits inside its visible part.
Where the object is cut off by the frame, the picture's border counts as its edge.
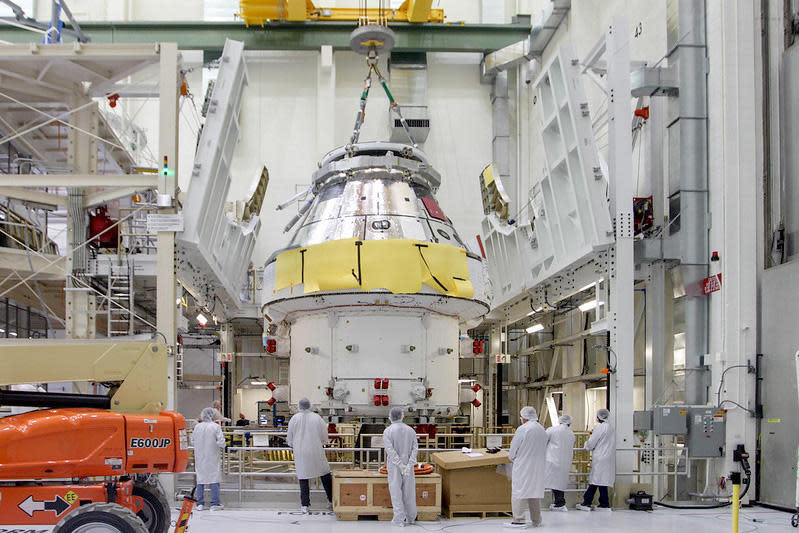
(400, 266)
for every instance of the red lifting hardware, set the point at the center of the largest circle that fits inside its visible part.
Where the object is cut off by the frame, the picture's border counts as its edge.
(643, 112)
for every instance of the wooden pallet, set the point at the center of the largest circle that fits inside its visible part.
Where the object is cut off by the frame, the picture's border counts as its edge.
(382, 516)
(477, 511)
(477, 514)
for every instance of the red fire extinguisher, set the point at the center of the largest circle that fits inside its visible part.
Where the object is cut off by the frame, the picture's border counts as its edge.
(102, 229)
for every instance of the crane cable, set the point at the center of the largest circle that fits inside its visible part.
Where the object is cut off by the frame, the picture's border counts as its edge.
(371, 60)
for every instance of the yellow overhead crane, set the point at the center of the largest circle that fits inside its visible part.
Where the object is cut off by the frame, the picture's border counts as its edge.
(258, 12)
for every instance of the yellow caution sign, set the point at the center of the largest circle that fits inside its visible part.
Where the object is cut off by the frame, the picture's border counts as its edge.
(71, 497)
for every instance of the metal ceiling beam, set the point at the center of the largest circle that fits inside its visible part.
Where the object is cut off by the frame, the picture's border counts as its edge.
(39, 197)
(78, 180)
(210, 36)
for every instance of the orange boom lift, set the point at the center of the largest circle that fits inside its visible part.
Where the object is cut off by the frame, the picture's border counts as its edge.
(82, 468)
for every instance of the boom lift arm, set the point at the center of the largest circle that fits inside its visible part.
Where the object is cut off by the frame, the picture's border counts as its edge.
(136, 371)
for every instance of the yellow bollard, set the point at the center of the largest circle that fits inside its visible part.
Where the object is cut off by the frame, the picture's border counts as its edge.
(736, 500)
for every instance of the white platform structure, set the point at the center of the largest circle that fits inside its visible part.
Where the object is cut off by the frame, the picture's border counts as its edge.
(214, 249)
(566, 218)
(575, 231)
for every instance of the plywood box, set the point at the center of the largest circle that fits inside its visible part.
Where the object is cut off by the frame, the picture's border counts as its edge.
(472, 484)
(359, 493)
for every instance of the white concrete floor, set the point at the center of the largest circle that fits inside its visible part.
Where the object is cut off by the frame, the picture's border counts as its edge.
(661, 520)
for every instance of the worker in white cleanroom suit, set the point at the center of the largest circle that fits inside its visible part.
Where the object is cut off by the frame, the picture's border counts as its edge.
(602, 444)
(401, 450)
(528, 451)
(307, 436)
(208, 442)
(219, 418)
(560, 452)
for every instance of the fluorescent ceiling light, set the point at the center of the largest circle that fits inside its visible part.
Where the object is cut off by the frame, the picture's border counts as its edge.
(535, 328)
(202, 320)
(257, 382)
(587, 306)
(598, 388)
(466, 381)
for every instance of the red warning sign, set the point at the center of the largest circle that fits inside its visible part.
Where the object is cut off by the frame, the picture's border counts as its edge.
(711, 284)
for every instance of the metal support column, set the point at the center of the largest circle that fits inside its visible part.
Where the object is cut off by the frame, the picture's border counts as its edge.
(228, 345)
(735, 316)
(494, 349)
(81, 304)
(168, 123)
(621, 308)
(167, 308)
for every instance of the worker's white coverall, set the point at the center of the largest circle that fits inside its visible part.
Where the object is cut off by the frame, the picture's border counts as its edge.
(307, 436)
(208, 441)
(401, 451)
(602, 444)
(560, 452)
(528, 451)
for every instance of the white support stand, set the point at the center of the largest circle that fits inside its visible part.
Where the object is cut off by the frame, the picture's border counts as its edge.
(166, 310)
(622, 278)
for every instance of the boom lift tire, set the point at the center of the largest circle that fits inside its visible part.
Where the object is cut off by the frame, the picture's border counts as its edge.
(156, 513)
(101, 516)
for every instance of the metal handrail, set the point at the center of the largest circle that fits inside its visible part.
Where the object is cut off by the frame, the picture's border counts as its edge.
(240, 474)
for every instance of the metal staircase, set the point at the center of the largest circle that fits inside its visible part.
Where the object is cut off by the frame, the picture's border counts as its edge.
(119, 297)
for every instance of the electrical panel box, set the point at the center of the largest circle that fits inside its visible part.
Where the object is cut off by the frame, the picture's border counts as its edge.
(670, 420)
(706, 435)
(642, 420)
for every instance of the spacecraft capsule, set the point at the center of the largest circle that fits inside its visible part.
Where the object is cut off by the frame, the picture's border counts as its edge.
(375, 287)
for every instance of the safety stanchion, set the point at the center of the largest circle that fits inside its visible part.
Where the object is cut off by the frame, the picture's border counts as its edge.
(185, 513)
(735, 477)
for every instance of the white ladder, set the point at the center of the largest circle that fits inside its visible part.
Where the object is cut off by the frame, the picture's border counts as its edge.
(119, 297)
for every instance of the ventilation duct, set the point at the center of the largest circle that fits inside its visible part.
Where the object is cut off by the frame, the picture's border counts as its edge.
(408, 76)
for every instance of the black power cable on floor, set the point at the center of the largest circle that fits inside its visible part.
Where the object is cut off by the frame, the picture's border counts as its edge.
(714, 506)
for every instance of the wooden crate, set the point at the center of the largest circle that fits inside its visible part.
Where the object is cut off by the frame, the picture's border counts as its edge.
(364, 494)
(472, 484)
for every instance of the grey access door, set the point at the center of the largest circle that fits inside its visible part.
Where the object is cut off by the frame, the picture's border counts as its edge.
(779, 334)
